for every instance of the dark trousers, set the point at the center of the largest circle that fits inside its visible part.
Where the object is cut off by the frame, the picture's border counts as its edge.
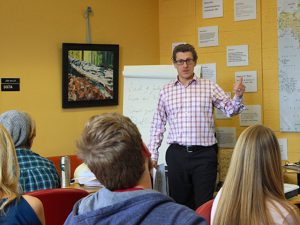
(192, 175)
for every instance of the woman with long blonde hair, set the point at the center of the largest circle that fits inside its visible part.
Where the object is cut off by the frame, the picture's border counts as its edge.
(253, 193)
(14, 207)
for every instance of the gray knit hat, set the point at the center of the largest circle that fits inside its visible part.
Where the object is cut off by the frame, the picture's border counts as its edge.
(18, 125)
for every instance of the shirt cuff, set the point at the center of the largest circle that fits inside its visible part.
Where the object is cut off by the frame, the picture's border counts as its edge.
(238, 99)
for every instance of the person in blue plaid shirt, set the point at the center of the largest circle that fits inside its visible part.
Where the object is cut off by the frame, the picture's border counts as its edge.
(36, 172)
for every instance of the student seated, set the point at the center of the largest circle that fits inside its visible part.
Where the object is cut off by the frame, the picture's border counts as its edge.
(112, 148)
(36, 172)
(15, 208)
(252, 193)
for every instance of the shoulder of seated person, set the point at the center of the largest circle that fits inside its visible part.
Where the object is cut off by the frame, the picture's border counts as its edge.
(33, 201)
(37, 206)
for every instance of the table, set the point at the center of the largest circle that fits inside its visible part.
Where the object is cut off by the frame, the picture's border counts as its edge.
(295, 200)
(287, 170)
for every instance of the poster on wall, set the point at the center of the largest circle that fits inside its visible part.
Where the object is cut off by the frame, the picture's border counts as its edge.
(289, 66)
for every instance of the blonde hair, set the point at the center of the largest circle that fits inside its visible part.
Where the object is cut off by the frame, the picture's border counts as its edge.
(9, 170)
(254, 178)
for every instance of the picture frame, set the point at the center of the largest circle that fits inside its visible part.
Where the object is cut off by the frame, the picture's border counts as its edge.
(90, 75)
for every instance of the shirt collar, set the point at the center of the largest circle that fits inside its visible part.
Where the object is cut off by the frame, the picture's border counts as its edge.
(195, 79)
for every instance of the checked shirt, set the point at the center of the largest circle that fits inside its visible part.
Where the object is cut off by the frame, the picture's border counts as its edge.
(36, 172)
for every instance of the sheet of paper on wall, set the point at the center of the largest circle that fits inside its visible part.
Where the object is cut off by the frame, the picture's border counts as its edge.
(226, 136)
(160, 180)
(251, 115)
(237, 55)
(283, 148)
(244, 10)
(212, 8)
(209, 71)
(249, 80)
(208, 36)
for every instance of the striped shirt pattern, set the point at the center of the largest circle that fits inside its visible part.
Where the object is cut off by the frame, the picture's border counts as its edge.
(189, 113)
(36, 172)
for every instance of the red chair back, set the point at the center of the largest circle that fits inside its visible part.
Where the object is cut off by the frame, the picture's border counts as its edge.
(58, 203)
(204, 210)
(74, 162)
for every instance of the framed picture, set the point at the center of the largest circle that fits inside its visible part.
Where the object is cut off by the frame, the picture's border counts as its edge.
(90, 75)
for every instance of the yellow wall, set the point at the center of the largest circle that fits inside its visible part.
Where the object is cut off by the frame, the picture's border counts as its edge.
(32, 33)
(179, 23)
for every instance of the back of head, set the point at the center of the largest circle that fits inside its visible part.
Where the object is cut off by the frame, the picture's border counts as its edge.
(257, 156)
(184, 48)
(254, 176)
(20, 126)
(9, 170)
(111, 146)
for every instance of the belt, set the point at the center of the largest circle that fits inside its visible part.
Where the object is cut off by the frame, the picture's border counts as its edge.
(193, 148)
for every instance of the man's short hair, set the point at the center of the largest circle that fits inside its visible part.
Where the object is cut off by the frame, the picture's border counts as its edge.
(184, 48)
(111, 146)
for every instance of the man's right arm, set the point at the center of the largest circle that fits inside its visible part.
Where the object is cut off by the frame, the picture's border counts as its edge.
(157, 129)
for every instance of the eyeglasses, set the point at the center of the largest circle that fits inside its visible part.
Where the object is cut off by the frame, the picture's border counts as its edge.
(182, 61)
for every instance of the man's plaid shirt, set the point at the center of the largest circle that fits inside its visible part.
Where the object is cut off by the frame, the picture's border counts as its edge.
(36, 172)
(189, 112)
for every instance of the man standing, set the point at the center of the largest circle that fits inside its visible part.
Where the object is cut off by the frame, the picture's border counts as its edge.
(187, 105)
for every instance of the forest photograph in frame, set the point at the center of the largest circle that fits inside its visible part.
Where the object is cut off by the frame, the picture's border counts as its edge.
(90, 75)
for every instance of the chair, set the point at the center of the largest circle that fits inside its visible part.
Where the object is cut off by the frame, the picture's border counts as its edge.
(74, 162)
(204, 210)
(58, 203)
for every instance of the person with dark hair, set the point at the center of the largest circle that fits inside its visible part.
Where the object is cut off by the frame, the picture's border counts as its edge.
(36, 172)
(111, 146)
(187, 105)
(253, 193)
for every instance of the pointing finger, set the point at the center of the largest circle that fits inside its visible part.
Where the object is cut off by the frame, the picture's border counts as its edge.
(241, 80)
